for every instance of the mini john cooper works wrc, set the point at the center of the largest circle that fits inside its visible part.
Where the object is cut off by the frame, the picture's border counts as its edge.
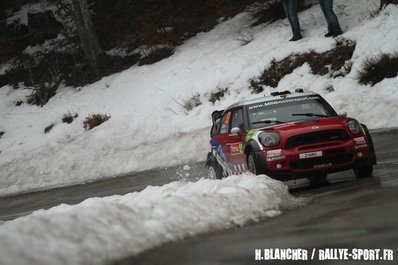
(287, 136)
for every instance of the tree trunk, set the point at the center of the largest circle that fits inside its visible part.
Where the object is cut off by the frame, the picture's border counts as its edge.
(88, 37)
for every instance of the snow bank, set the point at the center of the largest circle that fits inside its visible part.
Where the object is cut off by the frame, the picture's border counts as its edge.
(101, 230)
(148, 126)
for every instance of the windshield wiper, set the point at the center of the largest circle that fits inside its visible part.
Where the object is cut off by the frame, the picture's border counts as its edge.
(267, 122)
(310, 115)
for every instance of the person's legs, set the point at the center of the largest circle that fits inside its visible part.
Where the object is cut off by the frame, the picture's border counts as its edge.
(285, 4)
(290, 7)
(331, 18)
(294, 18)
(330, 28)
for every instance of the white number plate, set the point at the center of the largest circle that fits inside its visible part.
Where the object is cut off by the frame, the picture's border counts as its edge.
(311, 155)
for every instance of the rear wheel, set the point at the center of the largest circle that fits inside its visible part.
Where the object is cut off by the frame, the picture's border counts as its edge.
(215, 170)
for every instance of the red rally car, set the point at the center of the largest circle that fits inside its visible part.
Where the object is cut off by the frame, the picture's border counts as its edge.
(287, 136)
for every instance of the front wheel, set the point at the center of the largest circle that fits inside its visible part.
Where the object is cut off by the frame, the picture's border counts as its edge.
(364, 170)
(253, 165)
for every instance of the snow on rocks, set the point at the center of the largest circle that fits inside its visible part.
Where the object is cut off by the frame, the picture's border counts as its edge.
(100, 230)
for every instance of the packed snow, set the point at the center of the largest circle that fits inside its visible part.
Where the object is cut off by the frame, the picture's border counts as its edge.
(148, 126)
(101, 230)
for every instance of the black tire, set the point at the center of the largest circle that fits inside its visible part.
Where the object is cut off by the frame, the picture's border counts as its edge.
(364, 170)
(318, 180)
(215, 170)
(373, 158)
(253, 165)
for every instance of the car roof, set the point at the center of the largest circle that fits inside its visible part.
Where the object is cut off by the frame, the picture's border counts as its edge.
(269, 98)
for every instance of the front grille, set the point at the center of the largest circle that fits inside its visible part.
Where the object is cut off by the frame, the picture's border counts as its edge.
(321, 162)
(316, 137)
(340, 151)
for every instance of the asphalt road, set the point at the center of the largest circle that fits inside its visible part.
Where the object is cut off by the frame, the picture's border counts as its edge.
(14, 206)
(346, 213)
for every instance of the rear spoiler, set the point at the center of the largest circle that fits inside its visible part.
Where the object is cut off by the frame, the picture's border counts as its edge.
(216, 115)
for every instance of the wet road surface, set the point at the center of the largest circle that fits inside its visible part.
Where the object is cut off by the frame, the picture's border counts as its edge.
(346, 213)
(14, 206)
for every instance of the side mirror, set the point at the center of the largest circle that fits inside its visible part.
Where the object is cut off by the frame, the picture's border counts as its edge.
(343, 114)
(235, 130)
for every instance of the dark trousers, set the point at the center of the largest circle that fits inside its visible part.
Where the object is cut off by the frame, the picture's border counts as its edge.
(290, 7)
(330, 16)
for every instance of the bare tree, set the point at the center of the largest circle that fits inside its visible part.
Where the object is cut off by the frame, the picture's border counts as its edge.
(88, 37)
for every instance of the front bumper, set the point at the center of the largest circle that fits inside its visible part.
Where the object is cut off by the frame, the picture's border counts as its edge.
(304, 161)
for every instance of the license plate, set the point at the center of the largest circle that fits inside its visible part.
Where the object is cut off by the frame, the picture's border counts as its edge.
(311, 155)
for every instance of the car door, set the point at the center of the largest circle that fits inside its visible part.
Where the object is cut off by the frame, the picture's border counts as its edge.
(229, 147)
(235, 147)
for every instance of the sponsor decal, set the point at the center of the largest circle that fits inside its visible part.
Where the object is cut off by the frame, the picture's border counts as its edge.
(323, 165)
(273, 155)
(276, 152)
(253, 135)
(236, 148)
(250, 135)
(222, 159)
(217, 150)
(284, 101)
(275, 158)
(239, 168)
(360, 142)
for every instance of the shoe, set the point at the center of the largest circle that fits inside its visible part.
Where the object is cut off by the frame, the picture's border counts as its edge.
(329, 34)
(335, 34)
(296, 37)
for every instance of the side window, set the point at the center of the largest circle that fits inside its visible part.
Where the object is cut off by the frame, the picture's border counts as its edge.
(237, 119)
(225, 122)
(216, 127)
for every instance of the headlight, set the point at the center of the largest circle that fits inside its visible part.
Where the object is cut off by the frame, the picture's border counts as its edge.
(269, 139)
(354, 126)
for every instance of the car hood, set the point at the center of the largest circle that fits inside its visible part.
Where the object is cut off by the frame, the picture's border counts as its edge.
(310, 126)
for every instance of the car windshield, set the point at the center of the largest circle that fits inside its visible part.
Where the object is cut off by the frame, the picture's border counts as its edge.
(287, 110)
